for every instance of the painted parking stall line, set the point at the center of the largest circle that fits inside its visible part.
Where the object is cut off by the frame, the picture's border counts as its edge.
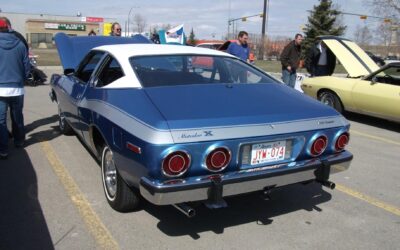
(370, 200)
(93, 223)
(378, 138)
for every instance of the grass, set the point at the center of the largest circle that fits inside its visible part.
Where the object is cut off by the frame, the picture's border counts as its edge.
(49, 57)
(275, 66)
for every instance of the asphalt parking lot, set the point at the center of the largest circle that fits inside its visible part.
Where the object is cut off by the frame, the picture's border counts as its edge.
(53, 198)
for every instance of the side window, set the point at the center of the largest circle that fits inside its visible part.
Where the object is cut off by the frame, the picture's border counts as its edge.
(110, 72)
(88, 64)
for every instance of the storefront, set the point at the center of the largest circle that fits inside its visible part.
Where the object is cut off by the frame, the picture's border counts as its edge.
(39, 29)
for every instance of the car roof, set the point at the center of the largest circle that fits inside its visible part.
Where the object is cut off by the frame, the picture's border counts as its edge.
(129, 50)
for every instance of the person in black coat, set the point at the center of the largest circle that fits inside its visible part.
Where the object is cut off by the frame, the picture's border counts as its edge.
(320, 60)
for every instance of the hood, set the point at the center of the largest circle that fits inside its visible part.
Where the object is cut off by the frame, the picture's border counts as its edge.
(73, 49)
(354, 59)
(220, 105)
(8, 40)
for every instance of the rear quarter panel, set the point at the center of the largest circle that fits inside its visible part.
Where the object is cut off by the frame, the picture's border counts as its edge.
(341, 86)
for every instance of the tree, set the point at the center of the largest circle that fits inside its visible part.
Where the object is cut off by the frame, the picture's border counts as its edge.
(323, 20)
(192, 40)
(140, 22)
(362, 35)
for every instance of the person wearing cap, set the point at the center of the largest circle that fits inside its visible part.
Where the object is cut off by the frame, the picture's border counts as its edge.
(14, 69)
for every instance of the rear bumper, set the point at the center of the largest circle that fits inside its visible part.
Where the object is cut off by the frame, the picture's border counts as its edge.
(244, 181)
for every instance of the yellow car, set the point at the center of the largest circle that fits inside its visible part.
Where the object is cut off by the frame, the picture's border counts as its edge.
(367, 89)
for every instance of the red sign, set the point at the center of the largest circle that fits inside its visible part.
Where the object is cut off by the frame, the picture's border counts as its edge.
(94, 19)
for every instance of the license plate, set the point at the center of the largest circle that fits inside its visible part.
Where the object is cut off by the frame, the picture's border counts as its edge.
(268, 152)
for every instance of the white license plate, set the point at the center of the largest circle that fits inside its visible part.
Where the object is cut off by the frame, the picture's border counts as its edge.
(268, 152)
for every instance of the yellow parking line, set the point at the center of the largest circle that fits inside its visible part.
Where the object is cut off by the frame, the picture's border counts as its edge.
(374, 137)
(389, 208)
(92, 221)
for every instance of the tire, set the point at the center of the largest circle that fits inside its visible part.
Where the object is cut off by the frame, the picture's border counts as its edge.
(118, 194)
(63, 125)
(331, 99)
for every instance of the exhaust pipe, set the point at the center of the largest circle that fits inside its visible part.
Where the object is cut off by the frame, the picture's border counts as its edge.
(328, 184)
(185, 209)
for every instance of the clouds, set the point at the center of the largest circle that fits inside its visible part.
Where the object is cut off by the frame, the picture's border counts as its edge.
(206, 17)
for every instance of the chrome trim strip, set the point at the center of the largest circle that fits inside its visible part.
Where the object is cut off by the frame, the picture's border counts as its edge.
(244, 182)
(153, 135)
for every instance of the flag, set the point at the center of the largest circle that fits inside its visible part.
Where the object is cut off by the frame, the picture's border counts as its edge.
(175, 35)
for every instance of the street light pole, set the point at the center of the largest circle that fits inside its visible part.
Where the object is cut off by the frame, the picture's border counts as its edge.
(261, 55)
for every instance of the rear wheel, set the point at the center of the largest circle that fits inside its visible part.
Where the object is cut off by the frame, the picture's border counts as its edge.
(118, 194)
(63, 125)
(331, 99)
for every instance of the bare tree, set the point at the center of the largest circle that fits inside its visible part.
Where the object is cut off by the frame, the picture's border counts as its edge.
(383, 34)
(362, 35)
(386, 7)
(140, 23)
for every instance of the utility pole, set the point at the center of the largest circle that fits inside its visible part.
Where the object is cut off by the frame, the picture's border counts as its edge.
(261, 55)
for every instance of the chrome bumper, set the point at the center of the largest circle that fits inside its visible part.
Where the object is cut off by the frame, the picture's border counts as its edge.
(243, 181)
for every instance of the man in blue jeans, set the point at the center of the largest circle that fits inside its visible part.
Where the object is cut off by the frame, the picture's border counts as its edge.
(290, 59)
(14, 69)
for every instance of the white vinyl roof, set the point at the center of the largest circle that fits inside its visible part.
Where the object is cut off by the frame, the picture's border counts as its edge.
(122, 51)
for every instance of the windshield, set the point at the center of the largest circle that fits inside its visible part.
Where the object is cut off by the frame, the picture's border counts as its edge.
(170, 70)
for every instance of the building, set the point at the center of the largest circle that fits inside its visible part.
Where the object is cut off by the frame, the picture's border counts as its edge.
(39, 29)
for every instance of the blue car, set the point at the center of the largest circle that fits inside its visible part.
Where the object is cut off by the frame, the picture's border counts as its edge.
(179, 124)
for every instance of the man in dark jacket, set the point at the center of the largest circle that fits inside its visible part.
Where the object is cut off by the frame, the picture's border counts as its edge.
(290, 59)
(14, 69)
(320, 60)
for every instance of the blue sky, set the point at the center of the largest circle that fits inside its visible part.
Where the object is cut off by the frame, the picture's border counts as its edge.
(208, 18)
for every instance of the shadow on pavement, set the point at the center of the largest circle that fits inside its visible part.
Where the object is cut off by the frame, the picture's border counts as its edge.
(241, 210)
(22, 223)
(372, 121)
(44, 135)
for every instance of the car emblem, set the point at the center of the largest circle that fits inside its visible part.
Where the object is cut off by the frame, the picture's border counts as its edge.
(208, 133)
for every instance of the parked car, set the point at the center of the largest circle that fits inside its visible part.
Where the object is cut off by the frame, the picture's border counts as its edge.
(174, 133)
(378, 60)
(368, 89)
(209, 45)
(391, 59)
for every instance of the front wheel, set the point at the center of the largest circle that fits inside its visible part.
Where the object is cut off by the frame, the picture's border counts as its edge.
(331, 99)
(63, 125)
(118, 194)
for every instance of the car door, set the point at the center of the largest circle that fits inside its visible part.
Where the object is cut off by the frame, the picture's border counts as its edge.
(379, 95)
(80, 81)
(107, 72)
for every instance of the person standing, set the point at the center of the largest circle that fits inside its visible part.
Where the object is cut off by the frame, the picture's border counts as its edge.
(320, 60)
(14, 69)
(240, 48)
(115, 29)
(290, 59)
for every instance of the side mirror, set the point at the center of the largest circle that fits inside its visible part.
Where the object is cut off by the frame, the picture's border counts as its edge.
(69, 72)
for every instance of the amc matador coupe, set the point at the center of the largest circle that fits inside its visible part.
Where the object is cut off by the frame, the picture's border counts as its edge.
(175, 131)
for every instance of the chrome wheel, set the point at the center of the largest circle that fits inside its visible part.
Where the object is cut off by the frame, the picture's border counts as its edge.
(331, 99)
(63, 125)
(109, 173)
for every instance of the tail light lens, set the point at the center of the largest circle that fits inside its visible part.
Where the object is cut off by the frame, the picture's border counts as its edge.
(342, 141)
(176, 164)
(319, 146)
(218, 159)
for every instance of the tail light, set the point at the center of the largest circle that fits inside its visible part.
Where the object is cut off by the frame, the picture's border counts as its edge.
(218, 159)
(175, 164)
(342, 141)
(318, 146)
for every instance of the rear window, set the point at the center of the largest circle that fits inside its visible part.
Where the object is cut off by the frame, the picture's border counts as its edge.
(171, 70)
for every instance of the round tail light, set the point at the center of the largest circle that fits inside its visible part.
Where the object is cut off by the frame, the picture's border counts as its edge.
(342, 141)
(218, 159)
(176, 164)
(319, 145)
